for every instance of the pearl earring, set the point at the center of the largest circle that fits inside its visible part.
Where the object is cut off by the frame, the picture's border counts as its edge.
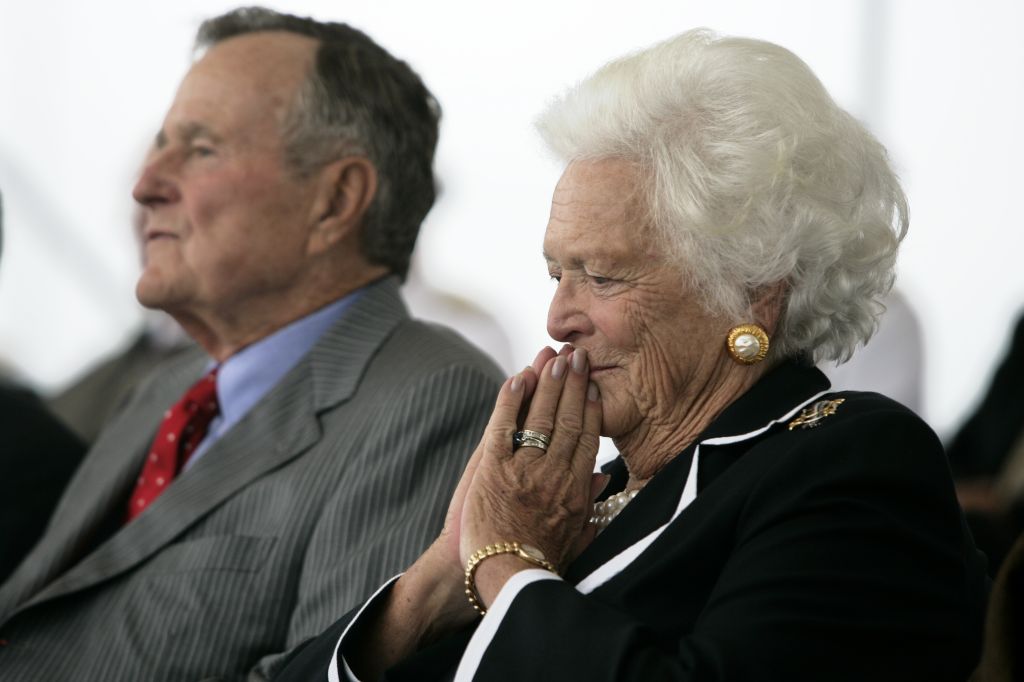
(747, 344)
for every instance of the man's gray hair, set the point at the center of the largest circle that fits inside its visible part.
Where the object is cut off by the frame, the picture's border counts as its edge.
(753, 176)
(358, 99)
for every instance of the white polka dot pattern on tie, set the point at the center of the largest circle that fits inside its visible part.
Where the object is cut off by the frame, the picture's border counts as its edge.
(182, 429)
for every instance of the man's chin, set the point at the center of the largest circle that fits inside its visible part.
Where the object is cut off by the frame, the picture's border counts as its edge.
(154, 294)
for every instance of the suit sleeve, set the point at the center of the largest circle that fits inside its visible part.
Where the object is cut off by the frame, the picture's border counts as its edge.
(394, 499)
(848, 563)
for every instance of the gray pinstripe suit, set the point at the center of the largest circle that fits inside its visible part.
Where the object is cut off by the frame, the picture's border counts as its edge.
(336, 480)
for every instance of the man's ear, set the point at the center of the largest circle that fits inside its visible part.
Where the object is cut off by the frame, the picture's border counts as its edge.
(768, 304)
(344, 191)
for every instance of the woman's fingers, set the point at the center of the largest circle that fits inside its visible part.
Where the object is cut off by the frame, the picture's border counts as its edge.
(545, 354)
(558, 403)
(520, 392)
(531, 374)
(553, 493)
(589, 439)
(497, 438)
(543, 406)
(503, 422)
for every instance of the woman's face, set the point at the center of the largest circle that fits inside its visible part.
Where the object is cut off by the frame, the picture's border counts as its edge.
(652, 347)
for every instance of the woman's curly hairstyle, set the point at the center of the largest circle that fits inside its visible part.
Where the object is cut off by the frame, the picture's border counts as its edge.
(753, 176)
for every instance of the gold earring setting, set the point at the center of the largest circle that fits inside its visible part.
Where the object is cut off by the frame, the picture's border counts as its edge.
(747, 344)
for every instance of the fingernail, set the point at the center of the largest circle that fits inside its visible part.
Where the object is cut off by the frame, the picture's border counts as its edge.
(558, 369)
(517, 383)
(579, 360)
(592, 393)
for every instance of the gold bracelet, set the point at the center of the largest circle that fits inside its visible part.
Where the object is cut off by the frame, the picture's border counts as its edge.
(524, 552)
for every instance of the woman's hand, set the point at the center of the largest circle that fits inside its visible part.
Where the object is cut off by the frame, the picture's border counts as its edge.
(438, 573)
(450, 536)
(429, 599)
(528, 495)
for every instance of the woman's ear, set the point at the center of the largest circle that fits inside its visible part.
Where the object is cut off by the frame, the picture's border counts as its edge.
(345, 188)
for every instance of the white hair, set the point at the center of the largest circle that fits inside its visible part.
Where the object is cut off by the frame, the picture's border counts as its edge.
(753, 176)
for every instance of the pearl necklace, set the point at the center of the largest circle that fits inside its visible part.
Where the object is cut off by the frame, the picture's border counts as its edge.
(606, 511)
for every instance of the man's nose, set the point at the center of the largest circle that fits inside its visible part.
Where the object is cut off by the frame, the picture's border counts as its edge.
(157, 183)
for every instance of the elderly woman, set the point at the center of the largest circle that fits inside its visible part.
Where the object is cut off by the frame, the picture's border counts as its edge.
(721, 226)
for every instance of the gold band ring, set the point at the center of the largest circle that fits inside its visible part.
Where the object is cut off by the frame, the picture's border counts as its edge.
(530, 439)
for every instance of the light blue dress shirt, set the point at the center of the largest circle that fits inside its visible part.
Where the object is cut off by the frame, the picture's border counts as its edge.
(248, 375)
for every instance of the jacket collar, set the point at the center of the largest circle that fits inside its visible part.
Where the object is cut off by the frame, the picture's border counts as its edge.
(771, 399)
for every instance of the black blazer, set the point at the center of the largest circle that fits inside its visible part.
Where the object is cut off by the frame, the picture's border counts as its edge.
(828, 552)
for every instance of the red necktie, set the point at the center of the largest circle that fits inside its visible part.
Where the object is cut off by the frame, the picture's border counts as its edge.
(182, 429)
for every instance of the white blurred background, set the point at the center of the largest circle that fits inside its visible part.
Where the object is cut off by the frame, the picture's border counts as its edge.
(83, 88)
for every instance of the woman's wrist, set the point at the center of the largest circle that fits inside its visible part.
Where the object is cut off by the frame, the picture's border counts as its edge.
(434, 592)
(491, 575)
(427, 602)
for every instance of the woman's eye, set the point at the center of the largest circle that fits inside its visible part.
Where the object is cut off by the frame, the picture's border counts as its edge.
(201, 151)
(555, 276)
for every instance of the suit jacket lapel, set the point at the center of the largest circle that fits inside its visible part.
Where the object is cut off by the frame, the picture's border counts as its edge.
(281, 426)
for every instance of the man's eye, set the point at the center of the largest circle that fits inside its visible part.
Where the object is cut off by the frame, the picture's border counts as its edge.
(555, 276)
(201, 151)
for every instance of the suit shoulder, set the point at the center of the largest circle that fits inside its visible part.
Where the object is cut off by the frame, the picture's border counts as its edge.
(432, 347)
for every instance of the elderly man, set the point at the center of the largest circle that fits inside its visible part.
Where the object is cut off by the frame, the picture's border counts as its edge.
(244, 498)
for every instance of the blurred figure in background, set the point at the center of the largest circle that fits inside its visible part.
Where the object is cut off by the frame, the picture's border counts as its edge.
(38, 454)
(987, 456)
(1002, 657)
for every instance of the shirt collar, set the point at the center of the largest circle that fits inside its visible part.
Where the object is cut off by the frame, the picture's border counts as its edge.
(248, 375)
